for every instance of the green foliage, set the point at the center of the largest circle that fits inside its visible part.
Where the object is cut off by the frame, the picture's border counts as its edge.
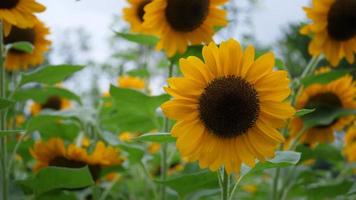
(25, 47)
(5, 103)
(303, 112)
(10, 132)
(157, 137)
(326, 77)
(139, 38)
(135, 152)
(51, 74)
(321, 152)
(325, 115)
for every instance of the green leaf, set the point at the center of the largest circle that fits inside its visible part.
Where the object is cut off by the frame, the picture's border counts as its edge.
(325, 77)
(54, 126)
(322, 152)
(282, 159)
(303, 112)
(55, 178)
(325, 115)
(41, 94)
(5, 103)
(25, 47)
(57, 195)
(195, 50)
(134, 110)
(157, 137)
(10, 132)
(50, 74)
(143, 73)
(139, 38)
(329, 191)
(280, 65)
(135, 152)
(189, 183)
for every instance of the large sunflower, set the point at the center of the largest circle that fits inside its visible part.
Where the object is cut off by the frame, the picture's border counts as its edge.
(179, 23)
(134, 14)
(340, 93)
(53, 103)
(229, 107)
(19, 13)
(17, 60)
(55, 153)
(334, 29)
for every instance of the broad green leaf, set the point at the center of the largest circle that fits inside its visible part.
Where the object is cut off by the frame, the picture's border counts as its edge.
(10, 132)
(139, 38)
(41, 94)
(57, 195)
(50, 74)
(157, 137)
(325, 116)
(303, 112)
(5, 103)
(329, 191)
(25, 47)
(325, 77)
(134, 110)
(135, 153)
(54, 126)
(282, 159)
(188, 183)
(280, 65)
(55, 178)
(322, 152)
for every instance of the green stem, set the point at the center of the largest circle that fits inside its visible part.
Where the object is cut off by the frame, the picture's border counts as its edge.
(225, 185)
(3, 148)
(275, 184)
(164, 149)
(235, 187)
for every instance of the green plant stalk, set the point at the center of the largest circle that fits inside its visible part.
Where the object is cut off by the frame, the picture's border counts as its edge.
(225, 185)
(164, 149)
(3, 146)
(275, 184)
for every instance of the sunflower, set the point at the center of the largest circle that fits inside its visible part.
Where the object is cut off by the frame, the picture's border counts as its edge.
(18, 60)
(350, 137)
(55, 153)
(340, 93)
(334, 29)
(131, 82)
(19, 13)
(179, 23)
(52, 103)
(228, 108)
(134, 14)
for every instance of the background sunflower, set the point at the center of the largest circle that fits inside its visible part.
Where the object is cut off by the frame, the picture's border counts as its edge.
(134, 14)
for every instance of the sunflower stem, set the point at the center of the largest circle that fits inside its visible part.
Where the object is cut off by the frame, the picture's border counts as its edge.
(3, 148)
(225, 185)
(164, 149)
(275, 184)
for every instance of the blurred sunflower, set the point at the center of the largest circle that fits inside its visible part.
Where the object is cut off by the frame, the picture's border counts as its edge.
(54, 153)
(179, 23)
(18, 60)
(340, 93)
(228, 109)
(350, 137)
(131, 82)
(333, 28)
(134, 14)
(126, 136)
(19, 13)
(53, 103)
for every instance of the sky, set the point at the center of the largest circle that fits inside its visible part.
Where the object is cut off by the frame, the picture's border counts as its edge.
(96, 17)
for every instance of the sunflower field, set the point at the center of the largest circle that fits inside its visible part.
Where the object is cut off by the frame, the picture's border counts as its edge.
(189, 110)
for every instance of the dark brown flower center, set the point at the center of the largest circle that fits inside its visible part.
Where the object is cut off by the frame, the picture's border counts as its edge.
(140, 9)
(229, 106)
(324, 101)
(64, 162)
(186, 15)
(342, 20)
(54, 103)
(8, 4)
(20, 35)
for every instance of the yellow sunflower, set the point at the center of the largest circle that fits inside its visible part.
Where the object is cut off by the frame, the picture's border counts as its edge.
(333, 28)
(134, 14)
(131, 82)
(179, 23)
(53, 103)
(340, 93)
(229, 107)
(18, 60)
(19, 13)
(55, 153)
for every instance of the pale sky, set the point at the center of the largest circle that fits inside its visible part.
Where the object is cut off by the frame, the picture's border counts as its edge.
(96, 17)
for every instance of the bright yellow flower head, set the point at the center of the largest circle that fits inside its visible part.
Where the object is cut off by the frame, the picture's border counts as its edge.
(179, 23)
(338, 93)
(228, 107)
(37, 36)
(19, 13)
(126, 136)
(154, 148)
(131, 82)
(134, 15)
(333, 29)
(350, 137)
